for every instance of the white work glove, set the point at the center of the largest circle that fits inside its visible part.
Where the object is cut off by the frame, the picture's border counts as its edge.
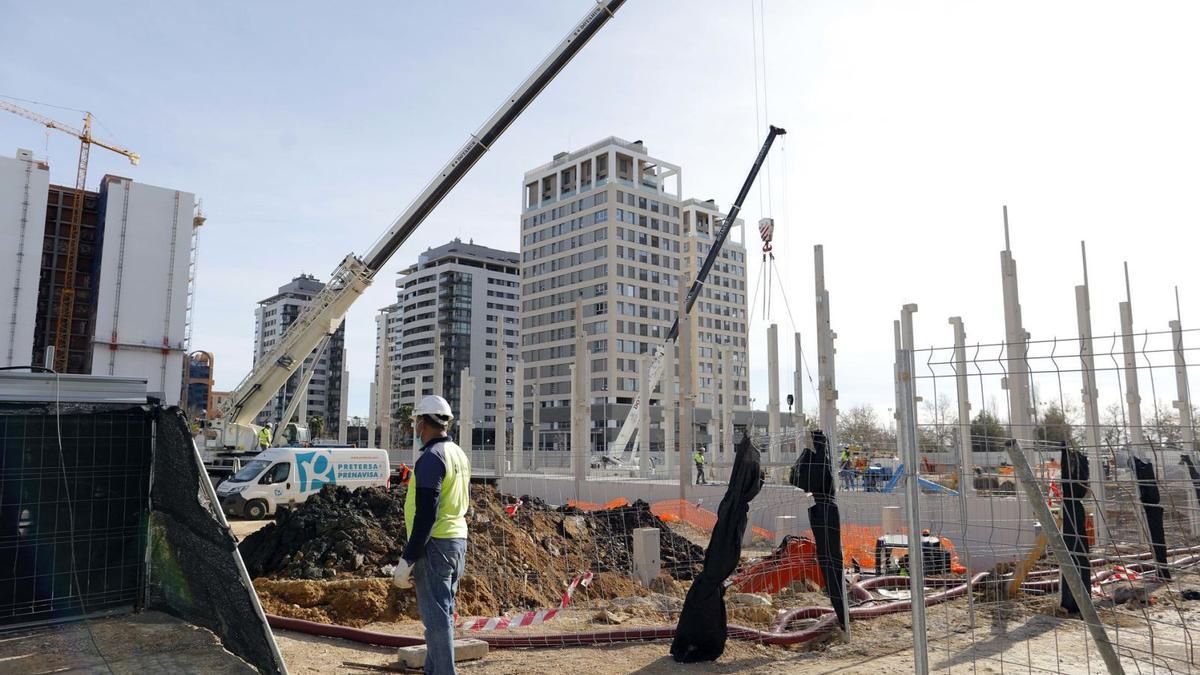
(402, 575)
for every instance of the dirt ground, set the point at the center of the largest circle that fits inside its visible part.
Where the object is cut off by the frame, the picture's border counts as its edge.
(1006, 639)
(244, 528)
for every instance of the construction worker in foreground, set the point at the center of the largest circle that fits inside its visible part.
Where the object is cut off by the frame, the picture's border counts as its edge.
(435, 512)
(698, 458)
(264, 437)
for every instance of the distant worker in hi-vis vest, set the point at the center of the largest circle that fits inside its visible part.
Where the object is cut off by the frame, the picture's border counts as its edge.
(435, 511)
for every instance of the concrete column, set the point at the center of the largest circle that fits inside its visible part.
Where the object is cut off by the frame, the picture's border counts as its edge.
(580, 404)
(826, 375)
(667, 396)
(773, 432)
(965, 459)
(1183, 401)
(727, 440)
(372, 424)
(1133, 397)
(1090, 396)
(643, 430)
(344, 420)
(384, 392)
(647, 562)
(1020, 407)
(501, 399)
(416, 440)
(439, 365)
(466, 410)
(687, 391)
(518, 417)
(798, 392)
(535, 430)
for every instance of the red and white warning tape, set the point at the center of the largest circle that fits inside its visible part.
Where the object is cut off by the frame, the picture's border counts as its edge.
(528, 618)
(1120, 573)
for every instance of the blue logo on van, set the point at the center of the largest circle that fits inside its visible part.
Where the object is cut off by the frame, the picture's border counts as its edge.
(315, 470)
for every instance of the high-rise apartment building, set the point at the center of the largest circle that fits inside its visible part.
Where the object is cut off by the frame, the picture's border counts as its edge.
(608, 225)
(132, 277)
(721, 323)
(385, 387)
(326, 396)
(461, 299)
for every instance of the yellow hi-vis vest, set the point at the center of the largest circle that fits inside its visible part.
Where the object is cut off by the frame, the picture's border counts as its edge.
(455, 498)
(264, 436)
(698, 458)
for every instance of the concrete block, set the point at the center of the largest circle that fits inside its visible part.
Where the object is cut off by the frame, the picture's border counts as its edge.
(646, 561)
(891, 520)
(785, 525)
(464, 650)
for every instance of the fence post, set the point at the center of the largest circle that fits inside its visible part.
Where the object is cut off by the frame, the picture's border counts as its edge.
(1066, 565)
(907, 435)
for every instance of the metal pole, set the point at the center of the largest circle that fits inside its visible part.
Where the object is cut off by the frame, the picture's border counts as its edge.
(916, 562)
(966, 482)
(1091, 398)
(1081, 590)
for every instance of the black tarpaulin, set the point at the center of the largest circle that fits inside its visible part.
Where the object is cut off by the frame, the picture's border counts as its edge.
(1194, 473)
(1151, 505)
(813, 474)
(701, 633)
(1074, 528)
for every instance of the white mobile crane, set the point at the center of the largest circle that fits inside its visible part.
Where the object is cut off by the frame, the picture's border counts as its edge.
(234, 432)
(658, 362)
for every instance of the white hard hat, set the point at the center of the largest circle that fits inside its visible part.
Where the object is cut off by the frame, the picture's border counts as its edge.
(436, 406)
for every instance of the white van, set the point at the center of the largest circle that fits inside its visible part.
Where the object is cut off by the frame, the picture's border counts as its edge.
(288, 476)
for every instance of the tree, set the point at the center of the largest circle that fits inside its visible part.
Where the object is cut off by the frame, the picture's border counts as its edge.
(316, 427)
(987, 434)
(402, 417)
(860, 425)
(940, 426)
(1162, 425)
(1113, 432)
(1056, 427)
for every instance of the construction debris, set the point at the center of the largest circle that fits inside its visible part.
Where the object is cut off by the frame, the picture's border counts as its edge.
(323, 561)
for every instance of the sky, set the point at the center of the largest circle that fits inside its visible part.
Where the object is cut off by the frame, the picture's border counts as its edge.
(307, 127)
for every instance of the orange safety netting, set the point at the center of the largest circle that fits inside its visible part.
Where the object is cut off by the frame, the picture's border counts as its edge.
(592, 506)
(678, 510)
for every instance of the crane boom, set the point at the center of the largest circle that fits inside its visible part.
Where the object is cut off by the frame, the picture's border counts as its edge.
(658, 362)
(354, 274)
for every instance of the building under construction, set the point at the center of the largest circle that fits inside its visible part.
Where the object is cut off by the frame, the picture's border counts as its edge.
(133, 278)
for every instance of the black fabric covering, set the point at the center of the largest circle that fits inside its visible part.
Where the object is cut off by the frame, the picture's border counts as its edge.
(196, 572)
(1194, 473)
(1151, 504)
(1074, 529)
(813, 473)
(700, 635)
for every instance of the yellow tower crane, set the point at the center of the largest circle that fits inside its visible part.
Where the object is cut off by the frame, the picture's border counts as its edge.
(66, 298)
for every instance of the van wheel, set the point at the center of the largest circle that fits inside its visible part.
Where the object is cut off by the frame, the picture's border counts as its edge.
(256, 509)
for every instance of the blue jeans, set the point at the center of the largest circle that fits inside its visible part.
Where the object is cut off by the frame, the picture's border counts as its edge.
(436, 576)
